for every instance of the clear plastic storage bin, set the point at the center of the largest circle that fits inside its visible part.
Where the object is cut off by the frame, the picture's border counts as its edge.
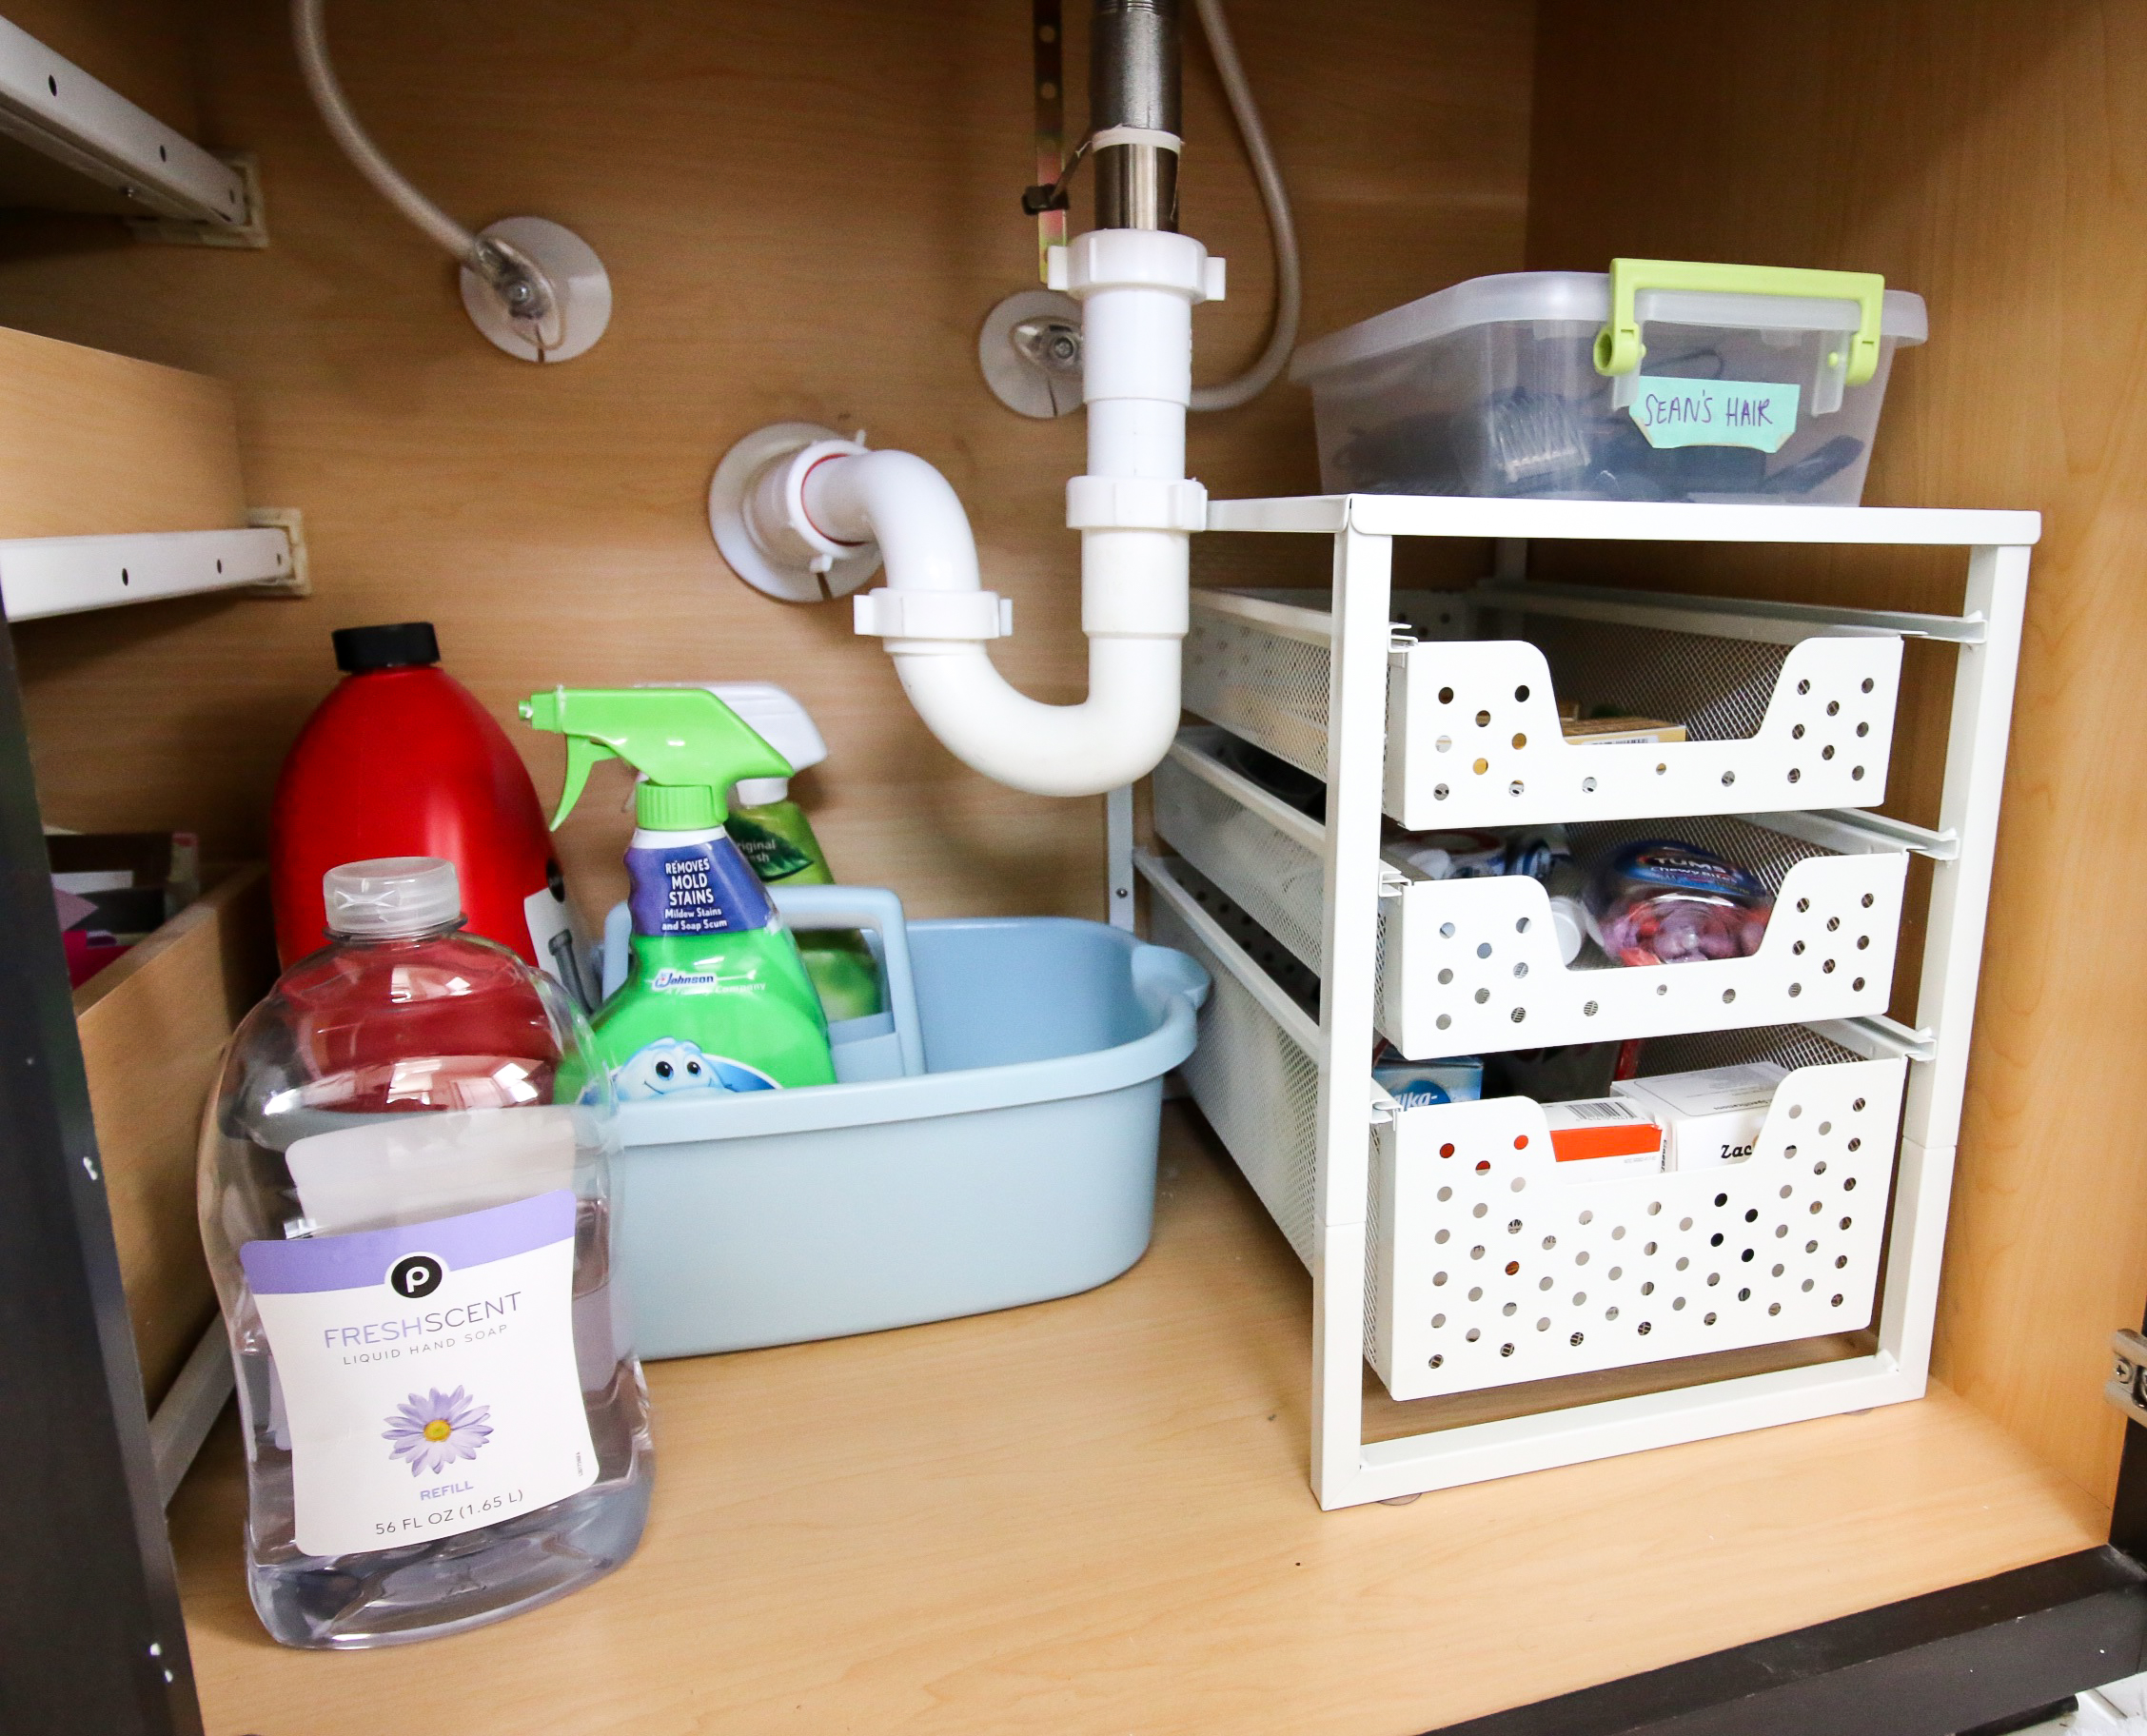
(1658, 381)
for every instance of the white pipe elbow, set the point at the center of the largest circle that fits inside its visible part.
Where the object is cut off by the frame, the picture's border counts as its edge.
(794, 513)
(1133, 609)
(1115, 735)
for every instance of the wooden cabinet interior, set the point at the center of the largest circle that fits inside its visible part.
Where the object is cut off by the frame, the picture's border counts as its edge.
(806, 210)
(1089, 1517)
(93, 444)
(1989, 160)
(152, 1027)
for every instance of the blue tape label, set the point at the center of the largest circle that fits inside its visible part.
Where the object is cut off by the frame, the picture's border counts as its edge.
(1716, 413)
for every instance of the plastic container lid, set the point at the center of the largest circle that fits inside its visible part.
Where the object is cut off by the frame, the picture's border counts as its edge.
(1584, 298)
(360, 650)
(391, 896)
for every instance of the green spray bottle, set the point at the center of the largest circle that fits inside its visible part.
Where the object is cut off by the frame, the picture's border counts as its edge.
(773, 833)
(716, 996)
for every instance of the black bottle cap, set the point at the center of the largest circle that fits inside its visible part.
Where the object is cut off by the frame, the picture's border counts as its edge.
(360, 650)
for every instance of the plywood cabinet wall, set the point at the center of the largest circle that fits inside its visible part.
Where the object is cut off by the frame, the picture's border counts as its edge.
(806, 210)
(1994, 158)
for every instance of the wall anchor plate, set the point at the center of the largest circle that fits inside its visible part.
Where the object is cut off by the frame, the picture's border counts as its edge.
(577, 279)
(1030, 349)
(786, 580)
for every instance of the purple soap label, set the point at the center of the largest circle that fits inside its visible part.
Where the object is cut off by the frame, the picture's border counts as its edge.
(694, 889)
(428, 1373)
(428, 1251)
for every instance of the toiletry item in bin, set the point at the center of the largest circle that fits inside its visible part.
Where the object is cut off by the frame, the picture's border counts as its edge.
(1542, 854)
(401, 760)
(1663, 902)
(1600, 1138)
(1452, 856)
(114, 889)
(407, 1209)
(776, 837)
(1710, 1118)
(1618, 731)
(1474, 856)
(1568, 887)
(1458, 1078)
(717, 998)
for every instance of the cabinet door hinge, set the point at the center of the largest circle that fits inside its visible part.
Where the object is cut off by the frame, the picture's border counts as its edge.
(2127, 1385)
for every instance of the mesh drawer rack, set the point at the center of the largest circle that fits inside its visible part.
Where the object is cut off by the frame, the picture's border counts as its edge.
(1446, 1248)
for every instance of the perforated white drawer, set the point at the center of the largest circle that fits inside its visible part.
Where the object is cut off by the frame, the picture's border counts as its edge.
(1467, 966)
(1781, 715)
(1470, 966)
(1491, 1264)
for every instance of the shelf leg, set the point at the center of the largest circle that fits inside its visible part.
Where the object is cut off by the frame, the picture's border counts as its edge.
(1953, 950)
(1968, 806)
(1118, 856)
(1356, 738)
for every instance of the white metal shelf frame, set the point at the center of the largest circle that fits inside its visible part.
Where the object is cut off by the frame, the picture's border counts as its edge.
(52, 108)
(1347, 1469)
(42, 576)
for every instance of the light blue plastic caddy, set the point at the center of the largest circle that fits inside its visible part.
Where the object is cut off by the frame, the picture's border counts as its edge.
(1009, 1157)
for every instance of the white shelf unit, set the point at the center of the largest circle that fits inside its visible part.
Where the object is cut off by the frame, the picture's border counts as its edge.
(1779, 1246)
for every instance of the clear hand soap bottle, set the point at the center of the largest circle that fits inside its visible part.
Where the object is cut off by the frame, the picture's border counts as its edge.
(405, 1199)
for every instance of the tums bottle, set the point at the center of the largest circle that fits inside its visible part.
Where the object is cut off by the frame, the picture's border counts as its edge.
(411, 1238)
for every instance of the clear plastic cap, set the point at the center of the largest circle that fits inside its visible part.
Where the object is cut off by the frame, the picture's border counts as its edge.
(391, 895)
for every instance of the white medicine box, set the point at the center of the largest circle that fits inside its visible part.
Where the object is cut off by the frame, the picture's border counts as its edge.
(1709, 1119)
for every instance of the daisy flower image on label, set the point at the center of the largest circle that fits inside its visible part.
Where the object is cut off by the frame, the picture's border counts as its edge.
(430, 1434)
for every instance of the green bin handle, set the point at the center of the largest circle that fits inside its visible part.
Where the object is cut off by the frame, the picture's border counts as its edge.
(1618, 349)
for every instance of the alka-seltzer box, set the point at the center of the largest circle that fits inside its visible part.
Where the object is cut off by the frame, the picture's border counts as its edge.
(1596, 1138)
(1710, 1118)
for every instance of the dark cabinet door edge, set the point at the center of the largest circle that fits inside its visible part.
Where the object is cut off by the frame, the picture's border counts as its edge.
(92, 1639)
(1933, 1666)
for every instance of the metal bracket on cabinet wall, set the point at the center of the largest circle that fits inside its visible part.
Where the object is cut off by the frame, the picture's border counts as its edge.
(297, 578)
(251, 231)
(2127, 1386)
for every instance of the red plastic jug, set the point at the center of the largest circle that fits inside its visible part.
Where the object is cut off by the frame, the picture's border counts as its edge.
(401, 760)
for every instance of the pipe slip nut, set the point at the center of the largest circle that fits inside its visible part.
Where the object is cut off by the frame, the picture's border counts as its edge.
(964, 614)
(1137, 259)
(1124, 503)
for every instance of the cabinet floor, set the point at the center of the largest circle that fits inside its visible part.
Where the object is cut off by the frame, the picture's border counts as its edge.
(1091, 1516)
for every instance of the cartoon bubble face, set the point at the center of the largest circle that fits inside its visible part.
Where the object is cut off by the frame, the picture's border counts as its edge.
(662, 1068)
(670, 1066)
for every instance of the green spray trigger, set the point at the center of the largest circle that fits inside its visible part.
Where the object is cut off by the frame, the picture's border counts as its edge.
(689, 744)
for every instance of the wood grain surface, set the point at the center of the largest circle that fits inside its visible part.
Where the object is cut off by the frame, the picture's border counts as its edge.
(1993, 158)
(152, 1026)
(806, 210)
(93, 444)
(1091, 1516)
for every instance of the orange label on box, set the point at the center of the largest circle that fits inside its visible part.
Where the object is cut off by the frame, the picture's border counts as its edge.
(1604, 1127)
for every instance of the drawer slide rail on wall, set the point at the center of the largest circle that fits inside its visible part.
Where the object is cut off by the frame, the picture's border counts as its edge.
(1438, 710)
